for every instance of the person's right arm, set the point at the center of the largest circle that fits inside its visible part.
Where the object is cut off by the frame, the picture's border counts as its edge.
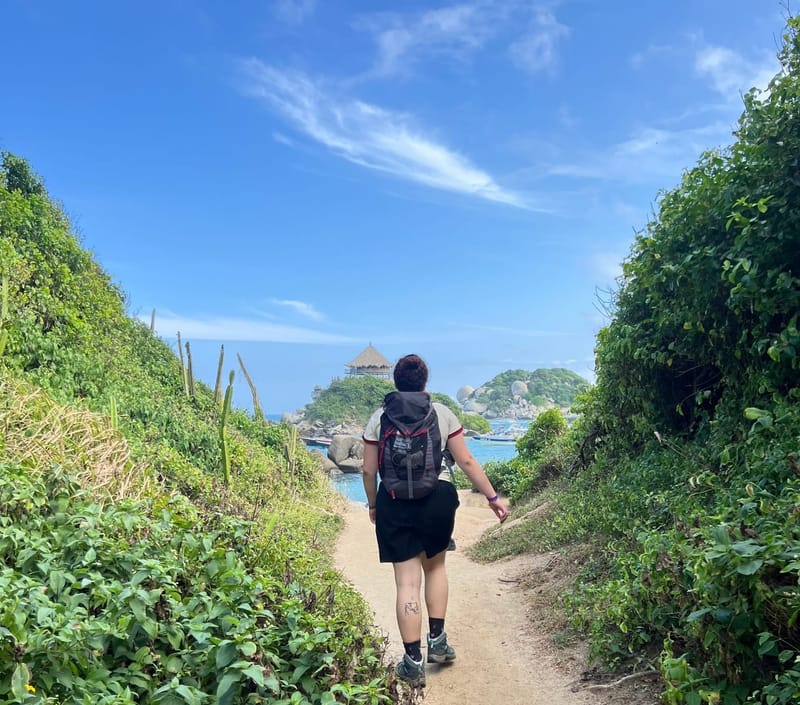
(369, 477)
(369, 474)
(473, 470)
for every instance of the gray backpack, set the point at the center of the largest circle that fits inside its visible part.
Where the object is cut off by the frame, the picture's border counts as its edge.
(409, 445)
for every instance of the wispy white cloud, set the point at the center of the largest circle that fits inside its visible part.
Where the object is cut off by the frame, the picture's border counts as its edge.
(537, 50)
(243, 329)
(731, 73)
(454, 31)
(651, 154)
(294, 12)
(457, 31)
(655, 153)
(301, 307)
(370, 136)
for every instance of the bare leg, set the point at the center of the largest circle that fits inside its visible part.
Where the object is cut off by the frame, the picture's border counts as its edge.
(436, 585)
(408, 580)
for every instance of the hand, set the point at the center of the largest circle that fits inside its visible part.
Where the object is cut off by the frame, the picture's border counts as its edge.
(373, 512)
(499, 510)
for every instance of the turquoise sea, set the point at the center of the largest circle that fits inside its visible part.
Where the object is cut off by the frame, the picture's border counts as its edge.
(350, 485)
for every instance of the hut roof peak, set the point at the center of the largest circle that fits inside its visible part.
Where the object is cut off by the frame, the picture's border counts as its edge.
(370, 357)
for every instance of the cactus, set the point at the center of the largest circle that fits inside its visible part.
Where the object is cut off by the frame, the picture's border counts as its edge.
(183, 366)
(218, 384)
(257, 412)
(226, 405)
(189, 375)
(114, 416)
(3, 312)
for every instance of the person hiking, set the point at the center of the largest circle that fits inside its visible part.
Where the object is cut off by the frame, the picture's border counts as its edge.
(413, 508)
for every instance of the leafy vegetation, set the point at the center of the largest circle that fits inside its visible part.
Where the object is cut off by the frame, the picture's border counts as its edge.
(684, 464)
(348, 400)
(541, 456)
(353, 400)
(155, 547)
(545, 387)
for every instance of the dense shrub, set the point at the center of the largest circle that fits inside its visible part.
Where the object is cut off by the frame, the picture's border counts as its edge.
(138, 603)
(693, 427)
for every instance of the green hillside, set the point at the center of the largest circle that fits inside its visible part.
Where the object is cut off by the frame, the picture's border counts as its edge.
(545, 387)
(353, 399)
(683, 473)
(155, 546)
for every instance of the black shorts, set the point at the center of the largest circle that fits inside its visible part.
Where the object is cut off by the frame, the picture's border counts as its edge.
(407, 527)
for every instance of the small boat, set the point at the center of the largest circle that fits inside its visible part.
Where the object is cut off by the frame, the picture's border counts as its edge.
(505, 434)
(317, 441)
(509, 434)
(496, 438)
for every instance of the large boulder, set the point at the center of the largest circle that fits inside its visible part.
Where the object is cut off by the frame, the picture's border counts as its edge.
(464, 393)
(519, 388)
(345, 448)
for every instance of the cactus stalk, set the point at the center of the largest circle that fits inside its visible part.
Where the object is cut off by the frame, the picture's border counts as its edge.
(257, 412)
(183, 366)
(3, 312)
(189, 375)
(218, 383)
(114, 416)
(226, 405)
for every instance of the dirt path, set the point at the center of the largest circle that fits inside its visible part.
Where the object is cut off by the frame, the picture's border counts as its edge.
(501, 656)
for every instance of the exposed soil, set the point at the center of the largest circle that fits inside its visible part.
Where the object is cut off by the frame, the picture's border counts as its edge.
(502, 619)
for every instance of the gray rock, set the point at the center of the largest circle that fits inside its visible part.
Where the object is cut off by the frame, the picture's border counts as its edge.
(344, 448)
(473, 406)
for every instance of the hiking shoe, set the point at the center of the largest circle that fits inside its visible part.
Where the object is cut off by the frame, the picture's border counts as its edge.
(411, 671)
(439, 651)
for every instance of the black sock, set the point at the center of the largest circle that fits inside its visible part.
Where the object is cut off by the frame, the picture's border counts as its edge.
(413, 649)
(435, 626)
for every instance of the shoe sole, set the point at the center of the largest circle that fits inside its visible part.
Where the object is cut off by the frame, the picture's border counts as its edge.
(416, 683)
(436, 658)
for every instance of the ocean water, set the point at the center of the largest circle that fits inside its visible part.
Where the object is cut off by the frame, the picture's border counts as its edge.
(351, 486)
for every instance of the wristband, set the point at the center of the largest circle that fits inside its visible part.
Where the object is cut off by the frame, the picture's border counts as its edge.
(370, 506)
(492, 500)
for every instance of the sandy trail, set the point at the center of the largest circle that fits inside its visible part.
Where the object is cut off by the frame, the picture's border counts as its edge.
(501, 658)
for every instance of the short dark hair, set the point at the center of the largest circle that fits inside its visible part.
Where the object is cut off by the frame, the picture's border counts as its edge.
(410, 374)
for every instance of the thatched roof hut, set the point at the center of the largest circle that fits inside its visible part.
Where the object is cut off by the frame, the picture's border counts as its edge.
(370, 362)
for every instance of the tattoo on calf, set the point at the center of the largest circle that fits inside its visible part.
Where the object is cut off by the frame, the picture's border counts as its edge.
(411, 608)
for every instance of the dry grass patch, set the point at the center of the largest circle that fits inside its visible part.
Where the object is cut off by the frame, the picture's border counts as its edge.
(39, 433)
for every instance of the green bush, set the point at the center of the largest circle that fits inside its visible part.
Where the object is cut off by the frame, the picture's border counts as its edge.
(140, 605)
(688, 446)
(507, 476)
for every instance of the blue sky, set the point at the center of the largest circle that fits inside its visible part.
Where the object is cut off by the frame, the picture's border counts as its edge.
(299, 178)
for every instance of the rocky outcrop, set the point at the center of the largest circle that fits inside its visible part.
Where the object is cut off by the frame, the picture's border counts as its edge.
(347, 452)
